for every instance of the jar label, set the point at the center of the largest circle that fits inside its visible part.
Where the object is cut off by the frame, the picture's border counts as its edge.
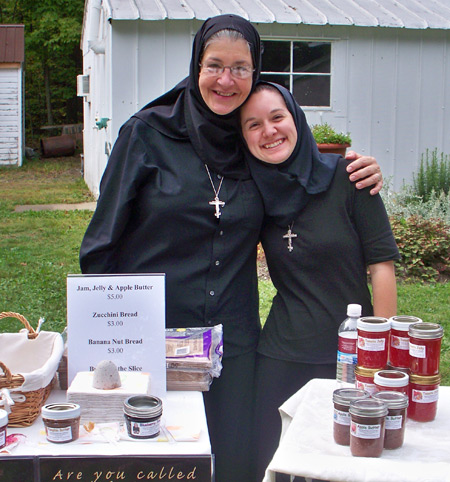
(417, 351)
(368, 387)
(399, 342)
(371, 344)
(62, 434)
(393, 422)
(342, 418)
(361, 430)
(424, 396)
(144, 429)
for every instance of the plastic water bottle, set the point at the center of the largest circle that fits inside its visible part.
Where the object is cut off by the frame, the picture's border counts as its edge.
(346, 355)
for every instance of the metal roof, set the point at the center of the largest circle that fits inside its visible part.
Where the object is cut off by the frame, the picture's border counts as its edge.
(12, 43)
(413, 14)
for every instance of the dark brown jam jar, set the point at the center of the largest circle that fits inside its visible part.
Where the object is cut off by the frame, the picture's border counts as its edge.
(394, 431)
(143, 416)
(367, 427)
(341, 399)
(61, 421)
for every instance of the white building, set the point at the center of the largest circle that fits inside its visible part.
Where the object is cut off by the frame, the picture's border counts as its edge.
(379, 69)
(12, 53)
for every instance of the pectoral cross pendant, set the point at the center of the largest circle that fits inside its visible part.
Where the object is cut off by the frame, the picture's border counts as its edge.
(217, 203)
(289, 236)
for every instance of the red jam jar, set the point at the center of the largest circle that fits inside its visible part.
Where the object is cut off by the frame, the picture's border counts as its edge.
(392, 380)
(4, 424)
(373, 341)
(367, 427)
(423, 397)
(394, 429)
(341, 400)
(399, 345)
(425, 348)
(364, 379)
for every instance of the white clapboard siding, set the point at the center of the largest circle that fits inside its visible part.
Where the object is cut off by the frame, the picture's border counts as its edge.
(10, 115)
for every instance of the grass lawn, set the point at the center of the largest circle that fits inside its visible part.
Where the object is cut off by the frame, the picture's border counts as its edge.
(38, 250)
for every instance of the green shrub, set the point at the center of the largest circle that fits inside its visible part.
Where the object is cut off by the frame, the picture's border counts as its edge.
(406, 203)
(433, 175)
(424, 245)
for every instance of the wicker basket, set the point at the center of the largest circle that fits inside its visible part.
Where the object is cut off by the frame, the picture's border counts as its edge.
(27, 406)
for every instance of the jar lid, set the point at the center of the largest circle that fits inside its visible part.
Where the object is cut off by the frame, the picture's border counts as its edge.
(402, 322)
(3, 417)
(392, 399)
(366, 372)
(368, 408)
(426, 330)
(143, 406)
(344, 396)
(425, 379)
(391, 378)
(61, 411)
(373, 323)
(406, 370)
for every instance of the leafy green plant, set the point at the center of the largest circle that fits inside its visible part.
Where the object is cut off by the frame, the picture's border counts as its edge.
(405, 203)
(424, 246)
(325, 134)
(433, 175)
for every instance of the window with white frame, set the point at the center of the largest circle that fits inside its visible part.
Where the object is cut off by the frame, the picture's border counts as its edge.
(303, 67)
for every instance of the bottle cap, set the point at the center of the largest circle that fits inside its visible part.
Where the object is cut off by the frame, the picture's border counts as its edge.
(354, 310)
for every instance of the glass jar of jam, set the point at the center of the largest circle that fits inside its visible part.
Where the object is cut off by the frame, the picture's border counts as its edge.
(425, 348)
(394, 430)
(423, 397)
(341, 399)
(373, 341)
(3, 425)
(399, 340)
(367, 427)
(364, 379)
(61, 421)
(391, 380)
(143, 416)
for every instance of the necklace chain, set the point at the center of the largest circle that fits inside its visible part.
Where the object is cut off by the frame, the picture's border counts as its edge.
(216, 202)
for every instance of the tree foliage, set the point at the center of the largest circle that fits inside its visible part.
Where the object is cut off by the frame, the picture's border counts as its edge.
(52, 58)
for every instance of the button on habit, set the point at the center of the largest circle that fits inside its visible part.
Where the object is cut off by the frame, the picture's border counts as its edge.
(217, 263)
(211, 293)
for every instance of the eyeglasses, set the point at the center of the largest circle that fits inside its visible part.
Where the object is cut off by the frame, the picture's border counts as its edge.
(237, 71)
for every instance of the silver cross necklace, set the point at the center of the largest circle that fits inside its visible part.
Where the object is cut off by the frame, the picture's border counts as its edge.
(216, 202)
(289, 236)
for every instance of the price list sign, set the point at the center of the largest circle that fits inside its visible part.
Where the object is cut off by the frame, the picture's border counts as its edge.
(119, 318)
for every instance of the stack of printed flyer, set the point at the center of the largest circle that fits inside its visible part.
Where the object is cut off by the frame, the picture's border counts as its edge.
(98, 405)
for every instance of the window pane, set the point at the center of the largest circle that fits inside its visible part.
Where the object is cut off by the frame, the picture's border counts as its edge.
(312, 90)
(312, 57)
(277, 79)
(276, 56)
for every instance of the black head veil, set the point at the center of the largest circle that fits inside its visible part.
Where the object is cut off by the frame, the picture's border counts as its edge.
(182, 112)
(287, 187)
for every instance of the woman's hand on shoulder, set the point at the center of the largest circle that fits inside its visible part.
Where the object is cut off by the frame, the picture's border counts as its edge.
(366, 171)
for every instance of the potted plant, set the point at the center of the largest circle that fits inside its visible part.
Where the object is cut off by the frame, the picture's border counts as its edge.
(329, 140)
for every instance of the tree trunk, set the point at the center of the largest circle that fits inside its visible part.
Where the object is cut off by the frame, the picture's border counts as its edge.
(47, 94)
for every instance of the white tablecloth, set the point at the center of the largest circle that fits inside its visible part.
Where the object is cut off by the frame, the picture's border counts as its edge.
(307, 447)
(182, 410)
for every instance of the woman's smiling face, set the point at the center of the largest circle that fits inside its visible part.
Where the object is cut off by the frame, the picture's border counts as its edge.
(224, 93)
(268, 127)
